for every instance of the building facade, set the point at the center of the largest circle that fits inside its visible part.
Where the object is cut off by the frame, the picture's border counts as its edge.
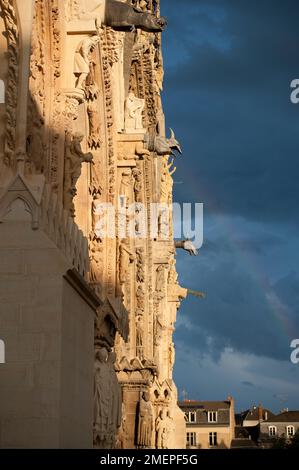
(85, 295)
(210, 424)
(285, 425)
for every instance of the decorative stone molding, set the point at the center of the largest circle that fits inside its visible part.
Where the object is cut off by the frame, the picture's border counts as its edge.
(47, 214)
(9, 15)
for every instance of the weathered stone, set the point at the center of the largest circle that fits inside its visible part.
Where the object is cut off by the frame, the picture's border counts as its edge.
(87, 131)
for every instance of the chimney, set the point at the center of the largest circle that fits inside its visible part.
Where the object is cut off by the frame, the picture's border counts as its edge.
(260, 413)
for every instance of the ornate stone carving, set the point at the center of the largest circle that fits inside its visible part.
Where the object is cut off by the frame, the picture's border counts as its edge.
(163, 145)
(145, 423)
(188, 246)
(139, 338)
(125, 17)
(74, 158)
(94, 140)
(161, 430)
(126, 257)
(83, 60)
(140, 265)
(133, 114)
(11, 97)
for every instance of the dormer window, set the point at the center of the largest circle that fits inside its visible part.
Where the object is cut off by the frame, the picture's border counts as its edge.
(190, 416)
(212, 416)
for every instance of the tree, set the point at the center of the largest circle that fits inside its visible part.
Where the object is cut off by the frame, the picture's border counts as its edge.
(295, 441)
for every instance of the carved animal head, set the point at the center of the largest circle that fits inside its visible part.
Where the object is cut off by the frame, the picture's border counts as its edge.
(151, 24)
(173, 143)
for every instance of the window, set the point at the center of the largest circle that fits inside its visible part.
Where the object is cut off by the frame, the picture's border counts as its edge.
(212, 416)
(272, 431)
(191, 417)
(213, 439)
(191, 439)
(2, 352)
(290, 431)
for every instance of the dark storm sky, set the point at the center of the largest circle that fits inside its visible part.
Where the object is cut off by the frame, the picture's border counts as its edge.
(228, 69)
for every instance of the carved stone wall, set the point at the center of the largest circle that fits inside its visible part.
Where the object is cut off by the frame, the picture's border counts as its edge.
(94, 133)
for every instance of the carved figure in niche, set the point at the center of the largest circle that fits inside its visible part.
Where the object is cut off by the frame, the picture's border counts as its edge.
(74, 157)
(137, 175)
(94, 140)
(102, 395)
(171, 352)
(170, 429)
(92, 90)
(140, 265)
(145, 422)
(160, 279)
(125, 17)
(164, 222)
(95, 264)
(172, 275)
(161, 430)
(158, 330)
(140, 296)
(121, 437)
(83, 59)
(36, 146)
(126, 257)
(125, 184)
(115, 409)
(133, 113)
(139, 338)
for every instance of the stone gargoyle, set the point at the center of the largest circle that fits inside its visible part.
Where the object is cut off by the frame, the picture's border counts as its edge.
(162, 145)
(122, 16)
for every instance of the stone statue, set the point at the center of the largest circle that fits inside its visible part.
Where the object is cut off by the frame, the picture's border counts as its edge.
(171, 352)
(74, 157)
(158, 330)
(102, 397)
(115, 409)
(139, 338)
(121, 437)
(125, 186)
(107, 400)
(133, 113)
(125, 17)
(126, 257)
(170, 430)
(145, 422)
(137, 175)
(160, 279)
(94, 140)
(161, 430)
(188, 246)
(83, 59)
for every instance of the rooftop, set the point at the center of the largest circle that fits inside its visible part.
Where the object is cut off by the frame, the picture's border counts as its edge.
(285, 417)
(205, 405)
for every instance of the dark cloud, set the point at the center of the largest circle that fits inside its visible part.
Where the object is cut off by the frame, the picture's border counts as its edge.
(230, 104)
(239, 311)
(229, 65)
(247, 384)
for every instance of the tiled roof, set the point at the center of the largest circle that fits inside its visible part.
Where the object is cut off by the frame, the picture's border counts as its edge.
(242, 443)
(285, 417)
(253, 414)
(205, 405)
